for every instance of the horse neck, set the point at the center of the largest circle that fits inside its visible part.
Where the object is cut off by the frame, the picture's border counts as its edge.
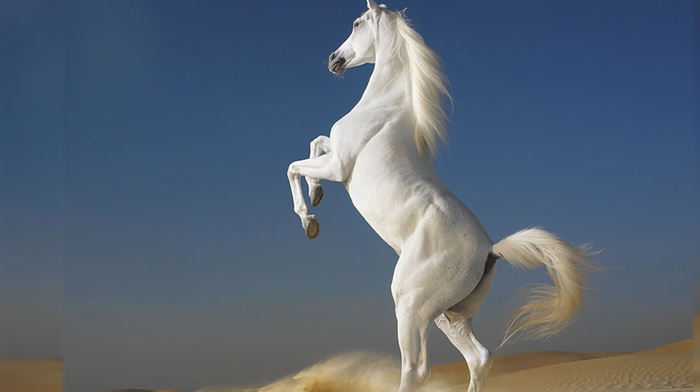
(390, 81)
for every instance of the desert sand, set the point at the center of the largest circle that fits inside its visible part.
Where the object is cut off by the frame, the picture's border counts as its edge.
(662, 369)
(43, 375)
(143, 390)
(667, 368)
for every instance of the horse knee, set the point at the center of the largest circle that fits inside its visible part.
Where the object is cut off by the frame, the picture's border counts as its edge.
(420, 370)
(414, 375)
(423, 372)
(292, 172)
(480, 364)
(488, 358)
(485, 361)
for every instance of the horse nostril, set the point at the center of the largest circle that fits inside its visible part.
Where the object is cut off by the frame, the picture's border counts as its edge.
(332, 56)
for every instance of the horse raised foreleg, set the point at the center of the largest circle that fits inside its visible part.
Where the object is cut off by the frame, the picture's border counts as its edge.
(321, 168)
(319, 146)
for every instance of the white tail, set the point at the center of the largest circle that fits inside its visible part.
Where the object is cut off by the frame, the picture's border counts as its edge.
(546, 309)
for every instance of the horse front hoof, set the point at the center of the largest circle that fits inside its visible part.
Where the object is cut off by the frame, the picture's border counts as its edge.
(311, 227)
(316, 195)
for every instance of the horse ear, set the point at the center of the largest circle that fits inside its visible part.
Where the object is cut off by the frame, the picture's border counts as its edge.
(372, 5)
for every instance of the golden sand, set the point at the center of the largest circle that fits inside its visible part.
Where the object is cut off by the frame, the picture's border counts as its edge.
(662, 369)
(666, 368)
(44, 375)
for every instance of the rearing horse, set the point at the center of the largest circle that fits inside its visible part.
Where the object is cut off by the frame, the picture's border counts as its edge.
(382, 152)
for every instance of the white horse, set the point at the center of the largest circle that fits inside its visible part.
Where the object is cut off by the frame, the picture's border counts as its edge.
(382, 152)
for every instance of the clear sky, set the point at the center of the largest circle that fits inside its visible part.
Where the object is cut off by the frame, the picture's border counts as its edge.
(147, 231)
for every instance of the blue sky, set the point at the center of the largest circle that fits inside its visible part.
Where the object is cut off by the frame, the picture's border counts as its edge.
(147, 228)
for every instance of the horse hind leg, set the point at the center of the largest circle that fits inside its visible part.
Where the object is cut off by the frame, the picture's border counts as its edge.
(413, 336)
(458, 330)
(456, 323)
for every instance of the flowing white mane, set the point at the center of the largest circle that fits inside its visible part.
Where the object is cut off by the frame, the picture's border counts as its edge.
(428, 87)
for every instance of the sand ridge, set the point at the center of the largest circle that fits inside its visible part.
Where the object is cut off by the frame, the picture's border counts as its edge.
(667, 368)
(457, 373)
(661, 369)
(37, 375)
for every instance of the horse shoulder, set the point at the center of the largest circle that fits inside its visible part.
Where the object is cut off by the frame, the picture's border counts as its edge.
(353, 132)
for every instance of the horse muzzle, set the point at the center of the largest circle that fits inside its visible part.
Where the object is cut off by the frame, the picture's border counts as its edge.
(336, 64)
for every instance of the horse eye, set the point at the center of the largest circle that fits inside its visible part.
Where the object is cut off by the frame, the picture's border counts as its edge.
(357, 23)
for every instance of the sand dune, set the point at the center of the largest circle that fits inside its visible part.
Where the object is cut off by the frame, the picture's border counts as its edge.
(667, 368)
(458, 373)
(143, 390)
(696, 350)
(44, 375)
(662, 369)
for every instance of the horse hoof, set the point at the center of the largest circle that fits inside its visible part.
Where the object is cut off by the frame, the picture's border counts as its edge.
(316, 196)
(311, 227)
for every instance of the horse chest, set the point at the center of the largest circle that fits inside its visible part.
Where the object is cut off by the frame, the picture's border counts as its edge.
(381, 189)
(349, 136)
(354, 130)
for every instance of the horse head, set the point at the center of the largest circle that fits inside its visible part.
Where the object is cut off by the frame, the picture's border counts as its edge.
(361, 46)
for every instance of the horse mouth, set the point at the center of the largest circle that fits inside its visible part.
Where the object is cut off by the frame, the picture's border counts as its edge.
(337, 66)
